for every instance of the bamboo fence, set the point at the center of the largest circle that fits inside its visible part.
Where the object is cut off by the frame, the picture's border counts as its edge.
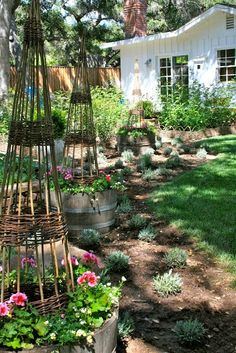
(61, 78)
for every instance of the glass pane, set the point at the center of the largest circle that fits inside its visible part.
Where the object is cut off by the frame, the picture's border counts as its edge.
(231, 78)
(230, 52)
(163, 80)
(163, 90)
(169, 71)
(169, 80)
(180, 60)
(222, 78)
(230, 61)
(168, 63)
(162, 62)
(163, 72)
(222, 71)
(231, 70)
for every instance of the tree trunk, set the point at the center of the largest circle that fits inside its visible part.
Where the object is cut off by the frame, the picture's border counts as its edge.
(7, 8)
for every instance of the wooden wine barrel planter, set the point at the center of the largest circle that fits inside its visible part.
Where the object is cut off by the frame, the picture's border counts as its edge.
(105, 341)
(83, 212)
(138, 145)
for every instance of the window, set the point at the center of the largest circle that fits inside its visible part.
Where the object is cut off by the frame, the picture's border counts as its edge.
(173, 70)
(226, 62)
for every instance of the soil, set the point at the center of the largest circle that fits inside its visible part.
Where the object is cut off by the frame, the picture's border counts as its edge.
(206, 292)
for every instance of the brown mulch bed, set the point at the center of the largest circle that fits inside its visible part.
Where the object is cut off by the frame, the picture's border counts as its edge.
(206, 292)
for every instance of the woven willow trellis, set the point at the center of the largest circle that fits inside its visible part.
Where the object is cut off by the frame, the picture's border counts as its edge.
(136, 114)
(80, 152)
(30, 229)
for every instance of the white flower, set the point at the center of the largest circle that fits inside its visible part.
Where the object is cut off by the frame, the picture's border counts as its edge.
(83, 310)
(89, 339)
(123, 279)
(53, 336)
(80, 333)
(46, 322)
(82, 322)
(108, 284)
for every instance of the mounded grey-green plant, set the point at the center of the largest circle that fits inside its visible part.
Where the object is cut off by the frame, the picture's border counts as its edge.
(162, 171)
(158, 143)
(177, 141)
(125, 205)
(167, 151)
(167, 284)
(201, 153)
(127, 156)
(149, 174)
(190, 332)
(89, 238)
(126, 325)
(145, 162)
(147, 234)
(137, 221)
(173, 162)
(126, 171)
(176, 257)
(117, 261)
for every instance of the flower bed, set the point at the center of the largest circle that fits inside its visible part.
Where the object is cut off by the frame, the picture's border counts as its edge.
(87, 309)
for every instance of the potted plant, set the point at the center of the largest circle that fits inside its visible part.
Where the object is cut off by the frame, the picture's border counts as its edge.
(137, 137)
(89, 204)
(88, 319)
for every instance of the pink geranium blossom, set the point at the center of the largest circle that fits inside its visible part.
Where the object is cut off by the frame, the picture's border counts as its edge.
(90, 259)
(19, 299)
(28, 260)
(88, 277)
(4, 309)
(74, 261)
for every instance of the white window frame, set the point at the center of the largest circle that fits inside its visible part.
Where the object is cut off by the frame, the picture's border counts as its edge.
(227, 68)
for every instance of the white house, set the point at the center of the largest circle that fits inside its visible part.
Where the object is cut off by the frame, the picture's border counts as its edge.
(202, 49)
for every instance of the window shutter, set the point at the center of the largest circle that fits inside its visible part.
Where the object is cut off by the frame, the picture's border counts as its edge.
(229, 21)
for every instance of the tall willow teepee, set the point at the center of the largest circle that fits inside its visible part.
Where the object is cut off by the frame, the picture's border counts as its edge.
(30, 228)
(136, 114)
(80, 139)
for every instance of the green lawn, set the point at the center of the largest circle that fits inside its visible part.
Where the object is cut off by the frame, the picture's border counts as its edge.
(202, 202)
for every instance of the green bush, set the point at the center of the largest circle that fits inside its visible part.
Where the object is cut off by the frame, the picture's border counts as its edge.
(137, 221)
(145, 162)
(149, 174)
(89, 239)
(167, 284)
(119, 164)
(173, 162)
(148, 108)
(108, 111)
(176, 258)
(167, 151)
(59, 123)
(117, 261)
(125, 206)
(197, 109)
(189, 331)
(127, 156)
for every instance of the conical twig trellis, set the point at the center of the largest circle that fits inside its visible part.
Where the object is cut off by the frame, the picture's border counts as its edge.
(136, 114)
(29, 226)
(80, 151)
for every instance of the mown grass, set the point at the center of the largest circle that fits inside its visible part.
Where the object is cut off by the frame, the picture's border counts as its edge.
(202, 202)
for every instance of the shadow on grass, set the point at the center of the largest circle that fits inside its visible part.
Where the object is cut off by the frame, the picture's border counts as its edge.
(202, 202)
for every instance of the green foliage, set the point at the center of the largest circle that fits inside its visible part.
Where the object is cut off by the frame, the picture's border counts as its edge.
(125, 206)
(197, 109)
(173, 162)
(126, 171)
(126, 325)
(201, 153)
(158, 143)
(176, 141)
(117, 261)
(167, 151)
(190, 332)
(22, 329)
(149, 174)
(127, 156)
(108, 111)
(137, 131)
(162, 171)
(89, 239)
(175, 258)
(119, 164)
(137, 221)
(147, 234)
(145, 162)
(167, 284)
(148, 108)
(59, 123)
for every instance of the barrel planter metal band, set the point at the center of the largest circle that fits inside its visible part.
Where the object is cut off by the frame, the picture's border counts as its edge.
(89, 211)
(138, 145)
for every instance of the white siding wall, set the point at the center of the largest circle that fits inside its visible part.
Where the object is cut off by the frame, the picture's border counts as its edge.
(200, 44)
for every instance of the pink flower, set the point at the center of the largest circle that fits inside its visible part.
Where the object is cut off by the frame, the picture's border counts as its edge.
(19, 299)
(28, 260)
(68, 176)
(90, 258)
(74, 261)
(88, 277)
(0, 268)
(4, 309)
(108, 178)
